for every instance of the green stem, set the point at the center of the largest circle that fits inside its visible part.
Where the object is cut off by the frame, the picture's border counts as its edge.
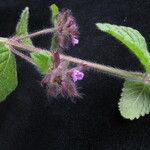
(2, 39)
(25, 57)
(134, 76)
(41, 32)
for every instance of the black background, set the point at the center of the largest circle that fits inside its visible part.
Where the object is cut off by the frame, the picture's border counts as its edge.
(29, 120)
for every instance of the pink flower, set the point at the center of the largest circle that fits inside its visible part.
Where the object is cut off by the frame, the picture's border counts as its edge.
(77, 75)
(75, 41)
(59, 81)
(66, 29)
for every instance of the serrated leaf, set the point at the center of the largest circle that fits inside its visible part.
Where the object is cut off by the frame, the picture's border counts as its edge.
(43, 61)
(54, 9)
(131, 38)
(22, 26)
(8, 73)
(135, 100)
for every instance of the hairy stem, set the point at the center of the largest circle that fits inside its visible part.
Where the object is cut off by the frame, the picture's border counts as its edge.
(2, 39)
(41, 32)
(135, 76)
(25, 57)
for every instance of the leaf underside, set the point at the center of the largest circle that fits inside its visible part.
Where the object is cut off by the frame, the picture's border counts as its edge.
(135, 97)
(135, 100)
(131, 38)
(8, 73)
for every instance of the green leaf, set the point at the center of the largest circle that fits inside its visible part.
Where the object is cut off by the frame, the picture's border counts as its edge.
(54, 9)
(43, 61)
(22, 26)
(54, 45)
(131, 38)
(135, 100)
(8, 73)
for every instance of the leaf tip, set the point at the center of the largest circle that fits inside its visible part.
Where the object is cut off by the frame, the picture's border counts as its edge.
(26, 10)
(54, 8)
(102, 26)
(97, 24)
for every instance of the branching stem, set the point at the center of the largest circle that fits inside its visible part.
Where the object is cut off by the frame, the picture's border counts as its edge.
(136, 76)
(25, 57)
(41, 32)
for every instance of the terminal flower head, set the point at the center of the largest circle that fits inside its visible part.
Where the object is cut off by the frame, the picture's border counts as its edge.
(66, 29)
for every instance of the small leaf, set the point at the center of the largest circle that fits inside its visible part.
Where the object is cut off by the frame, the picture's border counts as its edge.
(43, 61)
(8, 73)
(22, 26)
(54, 45)
(135, 100)
(54, 9)
(131, 38)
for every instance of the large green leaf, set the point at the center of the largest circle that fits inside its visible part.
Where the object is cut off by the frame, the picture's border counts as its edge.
(22, 26)
(135, 100)
(43, 60)
(8, 74)
(131, 38)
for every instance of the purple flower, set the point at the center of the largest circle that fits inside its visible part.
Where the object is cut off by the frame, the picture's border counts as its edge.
(77, 75)
(66, 29)
(59, 81)
(75, 41)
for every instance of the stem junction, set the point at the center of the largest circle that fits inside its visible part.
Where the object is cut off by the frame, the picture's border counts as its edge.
(14, 43)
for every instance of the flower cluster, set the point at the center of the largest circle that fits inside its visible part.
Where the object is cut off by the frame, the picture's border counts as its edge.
(61, 80)
(66, 29)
